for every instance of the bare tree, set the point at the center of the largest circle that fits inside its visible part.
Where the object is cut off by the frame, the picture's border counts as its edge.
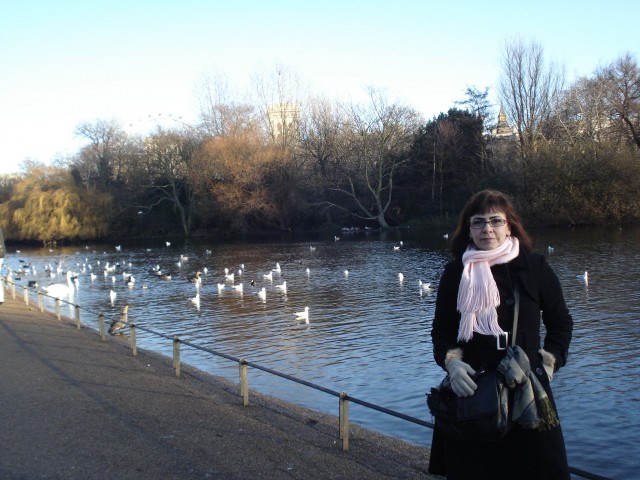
(622, 80)
(528, 90)
(376, 141)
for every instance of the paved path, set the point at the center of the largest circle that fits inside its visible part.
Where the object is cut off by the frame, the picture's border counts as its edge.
(74, 407)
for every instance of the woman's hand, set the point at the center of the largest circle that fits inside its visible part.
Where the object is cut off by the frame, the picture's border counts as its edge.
(460, 377)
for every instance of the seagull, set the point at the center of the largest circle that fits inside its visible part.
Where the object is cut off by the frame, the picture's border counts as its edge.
(550, 249)
(303, 315)
(445, 236)
(424, 286)
(168, 244)
(283, 287)
(120, 323)
(584, 277)
(396, 248)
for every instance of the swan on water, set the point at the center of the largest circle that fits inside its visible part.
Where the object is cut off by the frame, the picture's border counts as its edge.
(283, 287)
(59, 290)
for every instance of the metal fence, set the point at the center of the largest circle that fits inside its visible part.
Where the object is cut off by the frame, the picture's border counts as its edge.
(243, 366)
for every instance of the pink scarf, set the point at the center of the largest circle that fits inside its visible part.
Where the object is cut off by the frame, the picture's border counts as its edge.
(478, 295)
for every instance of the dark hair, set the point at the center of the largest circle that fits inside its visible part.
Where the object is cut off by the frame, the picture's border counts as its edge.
(484, 202)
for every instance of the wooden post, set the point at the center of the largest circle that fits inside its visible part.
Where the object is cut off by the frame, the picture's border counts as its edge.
(41, 301)
(13, 290)
(244, 382)
(103, 337)
(344, 421)
(78, 317)
(132, 339)
(58, 308)
(26, 295)
(176, 354)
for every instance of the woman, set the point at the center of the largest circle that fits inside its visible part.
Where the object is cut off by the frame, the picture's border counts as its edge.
(474, 311)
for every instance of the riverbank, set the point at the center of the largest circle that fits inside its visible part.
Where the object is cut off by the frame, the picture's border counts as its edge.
(76, 407)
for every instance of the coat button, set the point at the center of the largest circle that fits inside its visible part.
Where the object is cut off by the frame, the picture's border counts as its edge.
(539, 371)
(509, 301)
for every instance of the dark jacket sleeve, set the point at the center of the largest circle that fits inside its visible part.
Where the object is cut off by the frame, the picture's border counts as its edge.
(555, 315)
(444, 330)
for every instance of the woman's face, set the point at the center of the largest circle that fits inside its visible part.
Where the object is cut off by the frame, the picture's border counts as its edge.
(489, 230)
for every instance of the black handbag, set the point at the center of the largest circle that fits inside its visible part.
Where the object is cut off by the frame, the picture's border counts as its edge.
(484, 416)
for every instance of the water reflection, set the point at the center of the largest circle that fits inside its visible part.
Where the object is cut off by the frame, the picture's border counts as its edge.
(368, 332)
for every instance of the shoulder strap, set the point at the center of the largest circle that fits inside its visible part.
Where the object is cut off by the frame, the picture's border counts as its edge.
(516, 311)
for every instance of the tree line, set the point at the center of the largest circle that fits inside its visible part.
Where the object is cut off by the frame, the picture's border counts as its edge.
(286, 160)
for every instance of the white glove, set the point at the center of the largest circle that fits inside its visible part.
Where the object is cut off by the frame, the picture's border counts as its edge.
(459, 374)
(548, 362)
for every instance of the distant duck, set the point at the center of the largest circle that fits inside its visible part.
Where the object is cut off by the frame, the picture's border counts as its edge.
(32, 283)
(262, 294)
(283, 287)
(164, 276)
(304, 315)
(197, 278)
(130, 281)
(120, 323)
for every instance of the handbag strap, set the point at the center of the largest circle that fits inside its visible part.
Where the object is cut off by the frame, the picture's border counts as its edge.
(516, 311)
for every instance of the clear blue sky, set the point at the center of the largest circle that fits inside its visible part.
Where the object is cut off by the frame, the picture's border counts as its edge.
(66, 62)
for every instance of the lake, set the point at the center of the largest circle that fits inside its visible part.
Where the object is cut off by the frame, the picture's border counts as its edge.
(368, 332)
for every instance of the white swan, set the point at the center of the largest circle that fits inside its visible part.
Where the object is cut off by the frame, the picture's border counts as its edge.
(277, 269)
(238, 288)
(268, 276)
(59, 290)
(262, 294)
(196, 301)
(303, 315)
(400, 277)
(112, 297)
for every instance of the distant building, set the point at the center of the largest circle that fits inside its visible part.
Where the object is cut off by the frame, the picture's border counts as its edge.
(503, 129)
(283, 120)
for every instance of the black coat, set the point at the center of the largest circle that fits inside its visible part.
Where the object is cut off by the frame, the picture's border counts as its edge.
(532, 453)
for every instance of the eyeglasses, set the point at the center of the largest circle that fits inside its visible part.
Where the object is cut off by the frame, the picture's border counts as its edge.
(479, 223)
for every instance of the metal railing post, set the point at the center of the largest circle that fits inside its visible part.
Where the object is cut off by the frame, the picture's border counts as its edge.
(132, 339)
(78, 317)
(103, 337)
(344, 420)
(41, 301)
(244, 382)
(176, 354)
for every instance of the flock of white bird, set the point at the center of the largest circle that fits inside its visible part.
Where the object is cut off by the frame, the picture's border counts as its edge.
(112, 271)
